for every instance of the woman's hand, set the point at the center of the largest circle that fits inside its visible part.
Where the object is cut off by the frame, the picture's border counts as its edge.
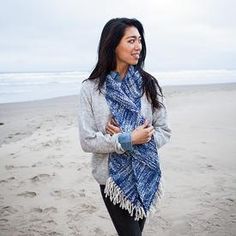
(112, 127)
(142, 134)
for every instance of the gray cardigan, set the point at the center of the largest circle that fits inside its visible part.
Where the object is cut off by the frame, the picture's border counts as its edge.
(93, 116)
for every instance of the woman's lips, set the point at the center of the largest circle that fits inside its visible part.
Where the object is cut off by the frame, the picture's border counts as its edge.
(135, 55)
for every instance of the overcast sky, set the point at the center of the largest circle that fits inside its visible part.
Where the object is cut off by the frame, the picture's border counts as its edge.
(63, 35)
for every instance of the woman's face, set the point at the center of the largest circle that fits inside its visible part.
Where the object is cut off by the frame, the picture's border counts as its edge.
(129, 47)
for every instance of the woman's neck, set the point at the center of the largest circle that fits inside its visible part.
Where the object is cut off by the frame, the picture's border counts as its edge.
(122, 70)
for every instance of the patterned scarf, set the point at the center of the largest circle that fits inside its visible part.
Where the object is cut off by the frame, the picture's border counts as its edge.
(134, 177)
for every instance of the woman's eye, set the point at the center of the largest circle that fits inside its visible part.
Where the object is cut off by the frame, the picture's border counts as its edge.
(131, 41)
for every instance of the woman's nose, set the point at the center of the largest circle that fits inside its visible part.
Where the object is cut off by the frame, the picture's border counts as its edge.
(138, 46)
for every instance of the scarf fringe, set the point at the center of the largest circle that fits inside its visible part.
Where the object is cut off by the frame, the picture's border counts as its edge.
(117, 197)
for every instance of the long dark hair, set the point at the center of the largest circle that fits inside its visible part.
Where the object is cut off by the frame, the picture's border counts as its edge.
(111, 35)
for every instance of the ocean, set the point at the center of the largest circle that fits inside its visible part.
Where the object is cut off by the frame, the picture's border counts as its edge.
(20, 87)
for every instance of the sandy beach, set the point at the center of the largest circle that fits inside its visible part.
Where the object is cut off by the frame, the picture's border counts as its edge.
(46, 186)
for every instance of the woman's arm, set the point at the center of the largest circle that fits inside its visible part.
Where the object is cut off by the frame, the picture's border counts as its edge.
(91, 139)
(142, 134)
(160, 123)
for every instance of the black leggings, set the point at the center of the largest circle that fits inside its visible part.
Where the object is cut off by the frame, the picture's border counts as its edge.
(124, 223)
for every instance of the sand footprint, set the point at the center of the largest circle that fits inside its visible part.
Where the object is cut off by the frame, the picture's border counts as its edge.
(20, 133)
(3, 221)
(39, 164)
(88, 208)
(50, 210)
(74, 229)
(4, 225)
(13, 155)
(51, 222)
(27, 194)
(10, 167)
(46, 210)
(37, 210)
(56, 193)
(54, 233)
(98, 232)
(7, 180)
(58, 165)
(47, 144)
(209, 166)
(7, 210)
(41, 178)
(82, 193)
(64, 193)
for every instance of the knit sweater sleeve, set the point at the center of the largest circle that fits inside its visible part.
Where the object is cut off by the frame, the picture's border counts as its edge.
(162, 132)
(91, 139)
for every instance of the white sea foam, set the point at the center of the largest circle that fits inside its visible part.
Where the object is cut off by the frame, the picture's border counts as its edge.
(17, 87)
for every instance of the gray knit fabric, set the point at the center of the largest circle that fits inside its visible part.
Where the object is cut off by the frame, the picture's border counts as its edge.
(93, 116)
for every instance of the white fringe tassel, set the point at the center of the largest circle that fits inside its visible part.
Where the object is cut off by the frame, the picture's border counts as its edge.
(117, 197)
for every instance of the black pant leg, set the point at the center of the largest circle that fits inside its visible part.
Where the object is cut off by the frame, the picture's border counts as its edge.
(141, 224)
(124, 223)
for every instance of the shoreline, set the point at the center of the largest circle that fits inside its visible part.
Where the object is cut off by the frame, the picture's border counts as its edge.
(165, 87)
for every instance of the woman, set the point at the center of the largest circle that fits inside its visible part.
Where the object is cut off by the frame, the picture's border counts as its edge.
(123, 122)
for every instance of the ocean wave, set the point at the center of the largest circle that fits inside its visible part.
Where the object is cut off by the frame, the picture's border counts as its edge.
(16, 87)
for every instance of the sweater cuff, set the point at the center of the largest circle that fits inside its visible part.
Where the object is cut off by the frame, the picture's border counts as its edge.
(125, 141)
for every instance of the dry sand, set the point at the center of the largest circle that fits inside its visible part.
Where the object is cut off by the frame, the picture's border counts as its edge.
(46, 187)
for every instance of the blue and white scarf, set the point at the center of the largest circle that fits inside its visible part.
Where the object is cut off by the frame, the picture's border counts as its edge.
(134, 177)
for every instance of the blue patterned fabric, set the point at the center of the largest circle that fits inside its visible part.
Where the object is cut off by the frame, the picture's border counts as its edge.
(134, 177)
(125, 141)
